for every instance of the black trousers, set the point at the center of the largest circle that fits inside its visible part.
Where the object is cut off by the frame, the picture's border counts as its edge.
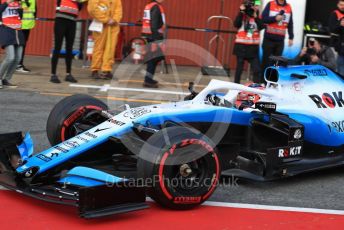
(255, 67)
(64, 29)
(26, 36)
(151, 68)
(152, 61)
(271, 48)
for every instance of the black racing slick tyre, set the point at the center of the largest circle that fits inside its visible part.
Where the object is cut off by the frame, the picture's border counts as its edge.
(180, 167)
(72, 115)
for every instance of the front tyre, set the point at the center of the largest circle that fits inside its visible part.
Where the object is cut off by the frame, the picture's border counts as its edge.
(180, 167)
(73, 115)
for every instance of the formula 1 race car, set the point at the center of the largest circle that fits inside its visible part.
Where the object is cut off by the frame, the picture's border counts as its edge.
(106, 163)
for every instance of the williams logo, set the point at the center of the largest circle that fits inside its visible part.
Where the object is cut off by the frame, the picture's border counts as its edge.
(339, 126)
(316, 72)
(328, 100)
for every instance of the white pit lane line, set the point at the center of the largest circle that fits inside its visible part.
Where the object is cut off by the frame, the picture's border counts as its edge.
(268, 207)
(273, 208)
(107, 87)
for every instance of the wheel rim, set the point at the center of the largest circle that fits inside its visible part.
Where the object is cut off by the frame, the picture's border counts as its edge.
(188, 175)
(182, 181)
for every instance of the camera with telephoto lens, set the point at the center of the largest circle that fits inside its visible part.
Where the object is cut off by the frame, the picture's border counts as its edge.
(311, 50)
(249, 4)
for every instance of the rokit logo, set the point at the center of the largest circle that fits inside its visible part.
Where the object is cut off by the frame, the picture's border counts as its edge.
(328, 100)
(290, 152)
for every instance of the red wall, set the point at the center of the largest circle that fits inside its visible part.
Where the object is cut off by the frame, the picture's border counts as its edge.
(189, 13)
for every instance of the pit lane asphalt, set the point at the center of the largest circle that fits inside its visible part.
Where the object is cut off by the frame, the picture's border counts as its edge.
(28, 111)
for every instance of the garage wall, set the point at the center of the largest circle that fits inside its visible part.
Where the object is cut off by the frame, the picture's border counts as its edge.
(188, 13)
(314, 14)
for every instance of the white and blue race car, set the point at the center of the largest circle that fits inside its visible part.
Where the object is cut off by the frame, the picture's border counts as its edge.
(106, 163)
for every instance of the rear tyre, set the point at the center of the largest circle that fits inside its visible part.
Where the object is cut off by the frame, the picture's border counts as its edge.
(180, 167)
(73, 115)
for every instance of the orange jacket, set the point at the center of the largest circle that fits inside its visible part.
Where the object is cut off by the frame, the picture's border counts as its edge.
(69, 7)
(279, 28)
(146, 24)
(104, 10)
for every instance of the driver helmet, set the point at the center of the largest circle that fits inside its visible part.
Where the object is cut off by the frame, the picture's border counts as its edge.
(247, 99)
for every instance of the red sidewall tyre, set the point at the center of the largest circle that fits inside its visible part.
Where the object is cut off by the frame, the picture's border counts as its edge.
(162, 159)
(68, 111)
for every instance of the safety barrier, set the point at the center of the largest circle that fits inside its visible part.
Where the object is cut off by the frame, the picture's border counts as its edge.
(85, 54)
(168, 26)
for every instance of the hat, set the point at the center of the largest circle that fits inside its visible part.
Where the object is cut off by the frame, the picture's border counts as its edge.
(312, 39)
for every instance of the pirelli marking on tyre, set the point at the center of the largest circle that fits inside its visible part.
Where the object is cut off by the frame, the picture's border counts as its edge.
(213, 180)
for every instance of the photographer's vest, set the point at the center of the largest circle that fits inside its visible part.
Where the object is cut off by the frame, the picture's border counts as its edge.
(10, 17)
(339, 14)
(146, 24)
(29, 20)
(279, 28)
(68, 7)
(337, 40)
(248, 33)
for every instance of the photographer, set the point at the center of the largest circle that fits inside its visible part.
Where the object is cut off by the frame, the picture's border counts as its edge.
(317, 53)
(336, 24)
(278, 17)
(153, 30)
(247, 39)
(11, 39)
